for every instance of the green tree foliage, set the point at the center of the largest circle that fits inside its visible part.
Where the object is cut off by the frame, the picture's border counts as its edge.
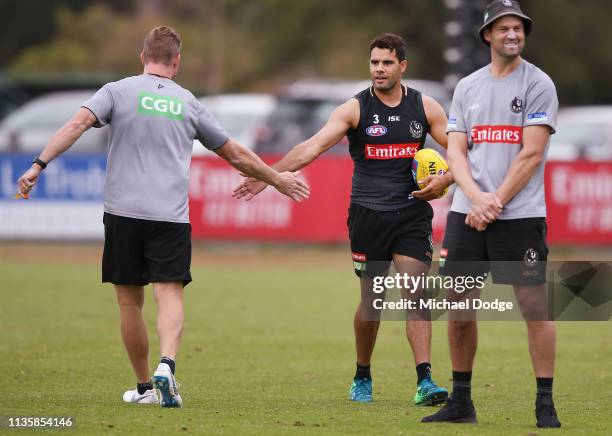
(233, 45)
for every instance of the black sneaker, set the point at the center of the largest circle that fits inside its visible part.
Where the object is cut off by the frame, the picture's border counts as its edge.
(546, 414)
(454, 411)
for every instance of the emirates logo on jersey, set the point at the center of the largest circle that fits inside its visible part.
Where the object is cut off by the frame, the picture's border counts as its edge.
(391, 151)
(497, 134)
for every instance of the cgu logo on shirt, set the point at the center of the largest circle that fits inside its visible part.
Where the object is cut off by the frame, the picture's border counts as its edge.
(153, 104)
(497, 134)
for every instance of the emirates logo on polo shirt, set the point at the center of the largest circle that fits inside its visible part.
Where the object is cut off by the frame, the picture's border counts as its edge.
(391, 151)
(497, 134)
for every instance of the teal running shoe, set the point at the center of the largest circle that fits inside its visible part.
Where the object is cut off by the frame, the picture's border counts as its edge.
(361, 390)
(429, 394)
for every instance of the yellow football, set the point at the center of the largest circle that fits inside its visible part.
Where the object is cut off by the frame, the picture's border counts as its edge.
(428, 162)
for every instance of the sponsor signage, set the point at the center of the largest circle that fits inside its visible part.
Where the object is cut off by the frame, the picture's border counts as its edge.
(497, 134)
(67, 202)
(579, 202)
(391, 151)
(153, 104)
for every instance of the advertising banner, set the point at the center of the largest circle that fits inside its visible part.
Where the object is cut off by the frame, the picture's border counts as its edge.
(579, 202)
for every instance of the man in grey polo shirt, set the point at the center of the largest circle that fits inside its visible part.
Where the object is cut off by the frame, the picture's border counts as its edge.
(153, 122)
(499, 129)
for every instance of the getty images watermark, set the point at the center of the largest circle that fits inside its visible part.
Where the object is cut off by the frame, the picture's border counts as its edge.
(576, 291)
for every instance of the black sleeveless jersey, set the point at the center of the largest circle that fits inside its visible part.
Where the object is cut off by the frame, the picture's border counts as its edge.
(382, 148)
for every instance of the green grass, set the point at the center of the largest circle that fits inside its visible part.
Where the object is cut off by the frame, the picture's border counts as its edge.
(268, 350)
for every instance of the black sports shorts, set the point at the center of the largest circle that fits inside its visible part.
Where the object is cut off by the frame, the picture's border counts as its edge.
(514, 250)
(138, 252)
(376, 235)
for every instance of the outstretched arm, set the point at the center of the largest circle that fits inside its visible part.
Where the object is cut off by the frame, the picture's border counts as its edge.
(61, 141)
(343, 118)
(249, 163)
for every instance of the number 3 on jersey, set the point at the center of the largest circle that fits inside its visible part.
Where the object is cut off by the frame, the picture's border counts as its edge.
(376, 120)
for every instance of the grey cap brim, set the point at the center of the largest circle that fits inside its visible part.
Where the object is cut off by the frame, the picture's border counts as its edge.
(528, 23)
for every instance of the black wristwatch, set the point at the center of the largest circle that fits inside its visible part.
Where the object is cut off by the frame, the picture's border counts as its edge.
(42, 164)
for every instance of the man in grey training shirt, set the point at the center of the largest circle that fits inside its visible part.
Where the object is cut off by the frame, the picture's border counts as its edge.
(153, 122)
(499, 128)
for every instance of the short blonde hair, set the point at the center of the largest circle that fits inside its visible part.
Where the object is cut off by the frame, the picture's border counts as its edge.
(161, 45)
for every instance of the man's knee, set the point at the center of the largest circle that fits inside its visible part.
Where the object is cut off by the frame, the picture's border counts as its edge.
(540, 326)
(130, 296)
(461, 326)
(168, 291)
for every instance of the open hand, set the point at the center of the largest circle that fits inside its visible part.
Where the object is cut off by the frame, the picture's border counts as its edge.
(249, 189)
(289, 185)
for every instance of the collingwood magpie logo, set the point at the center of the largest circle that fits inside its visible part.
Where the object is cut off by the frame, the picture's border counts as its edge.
(517, 105)
(416, 129)
(531, 257)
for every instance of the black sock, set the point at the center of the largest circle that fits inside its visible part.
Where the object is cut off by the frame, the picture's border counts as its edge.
(143, 387)
(363, 371)
(423, 371)
(545, 386)
(462, 386)
(169, 362)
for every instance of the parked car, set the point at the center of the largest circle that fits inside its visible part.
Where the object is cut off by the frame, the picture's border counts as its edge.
(29, 128)
(11, 96)
(583, 132)
(304, 107)
(239, 114)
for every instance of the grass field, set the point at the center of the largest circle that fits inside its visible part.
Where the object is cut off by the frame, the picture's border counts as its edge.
(268, 349)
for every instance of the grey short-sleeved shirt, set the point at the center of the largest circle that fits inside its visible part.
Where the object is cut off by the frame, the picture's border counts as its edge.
(493, 113)
(153, 122)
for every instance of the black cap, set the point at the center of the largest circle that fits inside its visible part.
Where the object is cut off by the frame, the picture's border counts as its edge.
(500, 8)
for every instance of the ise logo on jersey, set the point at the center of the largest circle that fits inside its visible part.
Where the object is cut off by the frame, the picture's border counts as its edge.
(153, 104)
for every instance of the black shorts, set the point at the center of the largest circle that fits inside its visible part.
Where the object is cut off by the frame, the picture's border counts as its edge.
(138, 252)
(514, 250)
(377, 235)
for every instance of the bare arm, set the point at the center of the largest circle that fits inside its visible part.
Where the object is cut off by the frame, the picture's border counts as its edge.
(343, 118)
(485, 206)
(250, 164)
(61, 141)
(525, 163)
(436, 117)
(340, 121)
(457, 160)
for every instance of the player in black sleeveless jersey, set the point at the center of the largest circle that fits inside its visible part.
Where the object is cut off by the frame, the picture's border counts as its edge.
(389, 217)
